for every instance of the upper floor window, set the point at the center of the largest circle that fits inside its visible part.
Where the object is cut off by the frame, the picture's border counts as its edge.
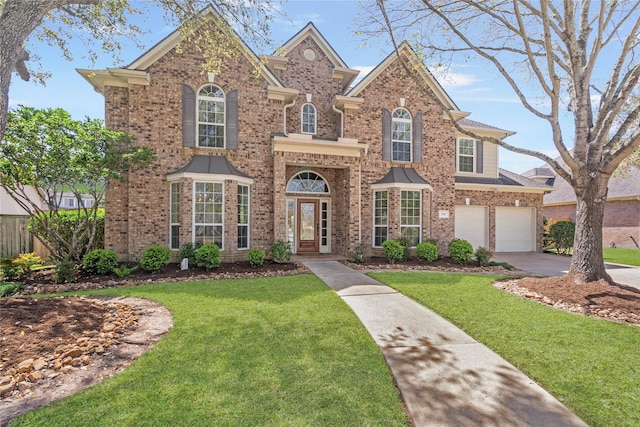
(309, 118)
(401, 135)
(211, 114)
(466, 155)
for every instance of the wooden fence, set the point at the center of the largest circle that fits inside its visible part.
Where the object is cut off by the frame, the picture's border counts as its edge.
(15, 238)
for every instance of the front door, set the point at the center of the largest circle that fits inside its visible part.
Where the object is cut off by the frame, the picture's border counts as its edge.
(308, 225)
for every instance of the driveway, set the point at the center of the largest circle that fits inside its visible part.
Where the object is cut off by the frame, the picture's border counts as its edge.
(544, 264)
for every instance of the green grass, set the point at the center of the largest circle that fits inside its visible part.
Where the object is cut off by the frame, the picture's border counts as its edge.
(628, 256)
(590, 365)
(273, 351)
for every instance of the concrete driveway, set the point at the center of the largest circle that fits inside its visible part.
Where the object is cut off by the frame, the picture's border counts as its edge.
(544, 264)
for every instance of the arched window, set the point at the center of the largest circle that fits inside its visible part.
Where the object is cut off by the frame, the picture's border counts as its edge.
(309, 119)
(401, 135)
(307, 182)
(211, 117)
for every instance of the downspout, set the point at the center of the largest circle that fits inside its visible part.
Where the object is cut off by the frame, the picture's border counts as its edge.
(333, 107)
(360, 201)
(284, 114)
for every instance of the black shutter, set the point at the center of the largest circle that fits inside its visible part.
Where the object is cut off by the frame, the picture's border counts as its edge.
(417, 138)
(188, 117)
(232, 120)
(386, 134)
(479, 157)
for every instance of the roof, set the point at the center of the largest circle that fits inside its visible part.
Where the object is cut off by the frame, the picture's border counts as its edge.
(539, 173)
(621, 187)
(402, 177)
(310, 30)
(474, 125)
(505, 179)
(210, 165)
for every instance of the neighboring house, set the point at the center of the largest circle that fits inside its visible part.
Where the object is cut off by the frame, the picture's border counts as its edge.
(621, 214)
(69, 200)
(15, 237)
(293, 152)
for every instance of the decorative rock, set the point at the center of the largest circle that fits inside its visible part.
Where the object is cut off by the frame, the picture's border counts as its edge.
(85, 359)
(39, 364)
(35, 376)
(7, 388)
(73, 353)
(6, 379)
(25, 365)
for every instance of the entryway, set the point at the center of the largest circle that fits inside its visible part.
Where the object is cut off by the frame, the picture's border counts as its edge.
(308, 225)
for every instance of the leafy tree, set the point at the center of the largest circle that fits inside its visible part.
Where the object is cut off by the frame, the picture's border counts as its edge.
(47, 150)
(108, 24)
(549, 53)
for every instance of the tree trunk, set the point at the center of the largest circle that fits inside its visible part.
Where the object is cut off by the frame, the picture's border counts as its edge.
(587, 263)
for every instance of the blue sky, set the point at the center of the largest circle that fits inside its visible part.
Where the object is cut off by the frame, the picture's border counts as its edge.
(473, 86)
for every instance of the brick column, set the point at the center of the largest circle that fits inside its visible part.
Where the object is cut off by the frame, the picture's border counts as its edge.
(279, 198)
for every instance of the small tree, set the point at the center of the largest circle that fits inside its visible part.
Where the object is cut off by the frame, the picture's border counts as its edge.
(46, 150)
(561, 235)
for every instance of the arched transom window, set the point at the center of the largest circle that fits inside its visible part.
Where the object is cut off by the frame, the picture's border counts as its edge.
(401, 135)
(307, 182)
(309, 119)
(211, 117)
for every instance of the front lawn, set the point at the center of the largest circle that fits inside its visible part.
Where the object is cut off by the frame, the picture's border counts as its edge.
(628, 256)
(590, 365)
(272, 351)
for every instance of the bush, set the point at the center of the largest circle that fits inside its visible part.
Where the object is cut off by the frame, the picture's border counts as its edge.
(9, 269)
(483, 256)
(100, 261)
(188, 250)
(281, 252)
(9, 288)
(154, 258)
(427, 251)
(561, 235)
(124, 271)
(208, 256)
(406, 245)
(255, 257)
(65, 272)
(393, 250)
(25, 262)
(460, 251)
(358, 254)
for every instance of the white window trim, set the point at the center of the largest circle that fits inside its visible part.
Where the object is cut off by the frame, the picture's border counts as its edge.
(458, 155)
(420, 216)
(326, 183)
(315, 119)
(410, 121)
(373, 242)
(224, 120)
(248, 218)
(193, 209)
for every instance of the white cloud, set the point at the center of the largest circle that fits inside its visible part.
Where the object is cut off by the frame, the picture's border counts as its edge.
(364, 70)
(449, 78)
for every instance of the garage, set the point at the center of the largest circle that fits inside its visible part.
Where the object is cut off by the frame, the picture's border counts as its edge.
(472, 225)
(515, 229)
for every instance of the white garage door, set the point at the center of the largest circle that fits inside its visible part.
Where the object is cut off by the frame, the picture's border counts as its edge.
(471, 225)
(515, 229)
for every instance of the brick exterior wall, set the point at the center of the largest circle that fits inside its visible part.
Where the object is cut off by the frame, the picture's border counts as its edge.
(138, 209)
(621, 220)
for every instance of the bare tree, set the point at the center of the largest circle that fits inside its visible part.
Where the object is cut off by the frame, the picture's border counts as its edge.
(552, 49)
(106, 23)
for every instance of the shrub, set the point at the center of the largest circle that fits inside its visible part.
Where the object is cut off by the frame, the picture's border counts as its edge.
(406, 246)
(281, 252)
(358, 254)
(100, 261)
(188, 250)
(9, 269)
(460, 251)
(124, 271)
(433, 241)
(483, 256)
(561, 235)
(504, 265)
(25, 262)
(9, 288)
(154, 258)
(393, 250)
(65, 272)
(427, 251)
(255, 257)
(208, 256)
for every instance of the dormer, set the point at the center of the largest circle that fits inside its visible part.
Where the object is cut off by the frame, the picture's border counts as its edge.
(475, 157)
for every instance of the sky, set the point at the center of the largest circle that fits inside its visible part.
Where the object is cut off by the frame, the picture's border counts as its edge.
(473, 86)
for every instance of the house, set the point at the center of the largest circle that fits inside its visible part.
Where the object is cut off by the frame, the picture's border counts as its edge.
(297, 152)
(15, 237)
(621, 223)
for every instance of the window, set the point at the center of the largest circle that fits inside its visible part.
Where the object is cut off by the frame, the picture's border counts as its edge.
(243, 216)
(174, 216)
(87, 203)
(308, 119)
(208, 211)
(68, 202)
(211, 106)
(401, 135)
(410, 215)
(466, 149)
(307, 182)
(380, 217)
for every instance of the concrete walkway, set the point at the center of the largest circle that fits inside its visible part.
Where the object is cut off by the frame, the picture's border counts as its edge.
(545, 264)
(446, 378)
